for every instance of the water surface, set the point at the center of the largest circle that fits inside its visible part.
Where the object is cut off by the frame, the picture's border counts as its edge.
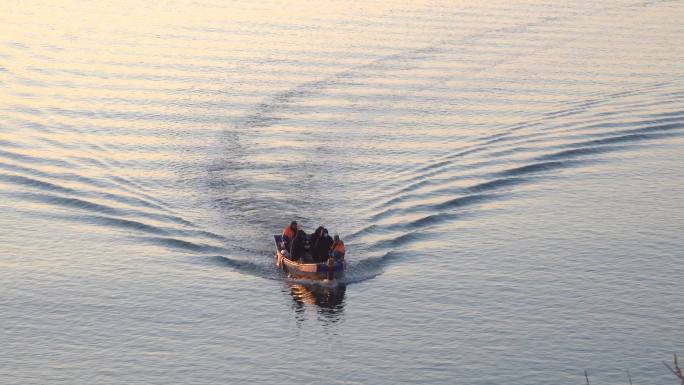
(507, 176)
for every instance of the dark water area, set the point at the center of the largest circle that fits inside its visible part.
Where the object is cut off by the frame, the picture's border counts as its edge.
(507, 176)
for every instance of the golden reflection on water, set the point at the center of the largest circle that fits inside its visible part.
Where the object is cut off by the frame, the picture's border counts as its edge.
(327, 301)
(140, 139)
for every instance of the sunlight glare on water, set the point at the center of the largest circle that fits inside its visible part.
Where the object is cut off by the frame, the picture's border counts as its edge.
(507, 177)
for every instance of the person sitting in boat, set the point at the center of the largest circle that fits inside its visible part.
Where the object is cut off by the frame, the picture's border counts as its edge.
(298, 247)
(288, 234)
(337, 250)
(316, 234)
(322, 246)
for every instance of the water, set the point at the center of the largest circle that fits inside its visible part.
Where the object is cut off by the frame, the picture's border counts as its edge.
(507, 176)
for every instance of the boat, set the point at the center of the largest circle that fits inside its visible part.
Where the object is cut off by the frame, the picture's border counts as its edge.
(329, 270)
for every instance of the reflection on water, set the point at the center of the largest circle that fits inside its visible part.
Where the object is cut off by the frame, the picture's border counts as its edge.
(327, 301)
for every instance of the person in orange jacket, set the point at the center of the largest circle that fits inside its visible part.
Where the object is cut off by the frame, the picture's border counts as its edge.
(337, 249)
(288, 234)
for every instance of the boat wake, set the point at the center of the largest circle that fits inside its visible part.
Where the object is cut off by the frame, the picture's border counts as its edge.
(390, 146)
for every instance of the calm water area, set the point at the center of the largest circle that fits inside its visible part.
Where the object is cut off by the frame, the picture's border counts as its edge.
(508, 177)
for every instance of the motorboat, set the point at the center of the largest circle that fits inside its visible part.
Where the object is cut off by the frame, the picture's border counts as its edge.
(305, 268)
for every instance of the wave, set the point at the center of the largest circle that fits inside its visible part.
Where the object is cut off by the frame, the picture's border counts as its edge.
(363, 269)
(26, 181)
(183, 245)
(139, 226)
(246, 267)
(626, 138)
(83, 204)
(36, 160)
(583, 151)
(542, 167)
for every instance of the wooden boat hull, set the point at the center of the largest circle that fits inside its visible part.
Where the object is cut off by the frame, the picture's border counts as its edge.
(332, 269)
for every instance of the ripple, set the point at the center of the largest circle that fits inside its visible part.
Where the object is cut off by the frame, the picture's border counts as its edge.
(424, 119)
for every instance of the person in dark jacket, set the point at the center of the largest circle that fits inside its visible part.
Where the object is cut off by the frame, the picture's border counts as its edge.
(322, 246)
(298, 247)
(316, 234)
